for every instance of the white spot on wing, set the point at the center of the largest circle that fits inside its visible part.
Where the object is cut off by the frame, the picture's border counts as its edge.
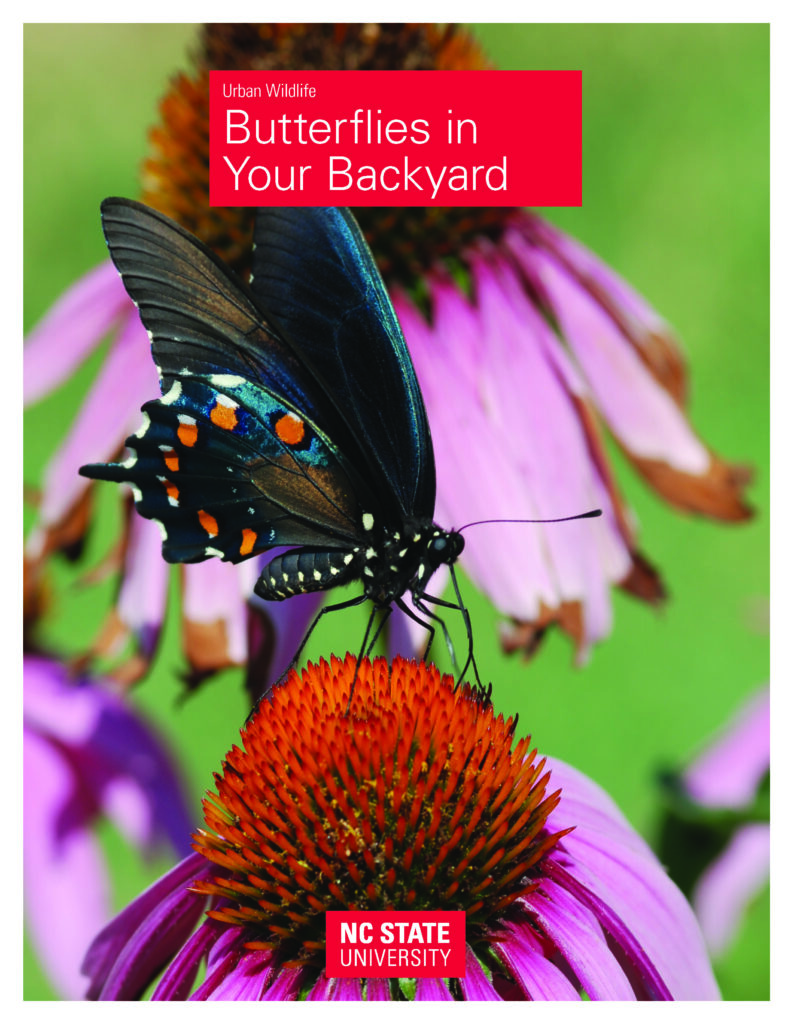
(161, 527)
(143, 426)
(226, 380)
(173, 395)
(128, 463)
(213, 553)
(368, 521)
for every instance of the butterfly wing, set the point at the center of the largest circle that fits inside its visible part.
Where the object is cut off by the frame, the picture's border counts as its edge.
(314, 274)
(231, 460)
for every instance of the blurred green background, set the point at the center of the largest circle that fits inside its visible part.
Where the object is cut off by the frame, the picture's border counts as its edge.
(676, 198)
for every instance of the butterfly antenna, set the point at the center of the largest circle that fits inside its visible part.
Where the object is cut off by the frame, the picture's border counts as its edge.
(594, 513)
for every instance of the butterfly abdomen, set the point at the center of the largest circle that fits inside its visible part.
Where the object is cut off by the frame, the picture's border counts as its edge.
(305, 571)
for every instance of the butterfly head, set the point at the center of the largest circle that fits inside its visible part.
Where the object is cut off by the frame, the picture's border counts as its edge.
(443, 548)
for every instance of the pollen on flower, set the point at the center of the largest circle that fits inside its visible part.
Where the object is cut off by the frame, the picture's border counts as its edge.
(418, 798)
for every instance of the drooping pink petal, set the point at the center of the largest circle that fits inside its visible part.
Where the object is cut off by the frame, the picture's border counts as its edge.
(432, 989)
(126, 955)
(638, 410)
(71, 329)
(248, 978)
(286, 985)
(378, 990)
(214, 615)
(537, 977)
(177, 981)
(274, 633)
(513, 570)
(725, 889)
(536, 417)
(728, 772)
(347, 989)
(67, 898)
(114, 756)
(143, 593)
(109, 414)
(618, 867)
(475, 985)
(579, 938)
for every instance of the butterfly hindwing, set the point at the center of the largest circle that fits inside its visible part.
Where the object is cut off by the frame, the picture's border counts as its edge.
(314, 274)
(229, 470)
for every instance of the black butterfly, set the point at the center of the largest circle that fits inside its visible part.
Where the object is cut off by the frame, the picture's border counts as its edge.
(290, 411)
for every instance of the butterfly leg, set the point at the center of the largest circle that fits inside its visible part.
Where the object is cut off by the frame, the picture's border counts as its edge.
(351, 603)
(400, 603)
(365, 646)
(417, 600)
(460, 607)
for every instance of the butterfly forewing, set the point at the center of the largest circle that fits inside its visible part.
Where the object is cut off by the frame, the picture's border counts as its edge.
(226, 461)
(314, 274)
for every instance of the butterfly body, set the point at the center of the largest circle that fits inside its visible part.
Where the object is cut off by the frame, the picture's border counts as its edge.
(290, 413)
(388, 565)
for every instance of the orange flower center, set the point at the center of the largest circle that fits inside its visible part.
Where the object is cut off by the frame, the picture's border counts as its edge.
(417, 798)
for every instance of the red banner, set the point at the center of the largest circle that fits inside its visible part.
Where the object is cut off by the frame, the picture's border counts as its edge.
(395, 138)
(396, 944)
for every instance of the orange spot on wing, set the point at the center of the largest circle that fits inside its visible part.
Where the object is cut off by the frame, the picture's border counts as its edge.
(249, 537)
(209, 523)
(290, 428)
(188, 434)
(171, 460)
(173, 491)
(224, 416)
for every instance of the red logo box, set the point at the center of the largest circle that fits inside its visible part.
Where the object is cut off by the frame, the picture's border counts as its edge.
(396, 944)
(395, 138)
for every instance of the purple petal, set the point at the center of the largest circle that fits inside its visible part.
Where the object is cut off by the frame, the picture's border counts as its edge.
(114, 755)
(223, 957)
(536, 976)
(378, 990)
(431, 989)
(476, 985)
(728, 885)
(71, 329)
(143, 595)
(348, 990)
(108, 415)
(66, 888)
(609, 859)
(729, 771)
(126, 955)
(251, 973)
(640, 412)
(579, 939)
(177, 981)
(215, 614)
(539, 424)
(286, 984)
(321, 989)
(644, 319)
(512, 570)
(282, 629)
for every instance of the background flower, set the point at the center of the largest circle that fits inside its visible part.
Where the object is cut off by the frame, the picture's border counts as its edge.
(87, 757)
(714, 835)
(677, 201)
